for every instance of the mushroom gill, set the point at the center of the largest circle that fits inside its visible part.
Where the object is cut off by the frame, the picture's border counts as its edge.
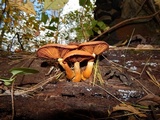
(57, 51)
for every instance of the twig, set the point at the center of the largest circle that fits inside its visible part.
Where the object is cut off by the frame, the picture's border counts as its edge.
(82, 27)
(141, 6)
(125, 22)
(38, 85)
(146, 89)
(114, 64)
(97, 74)
(128, 46)
(153, 114)
(121, 116)
(152, 5)
(12, 99)
(145, 66)
(153, 79)
(131, 48)
(30, 63)
(95, 71)
(55, 35)
(117, 66)
(108, 93)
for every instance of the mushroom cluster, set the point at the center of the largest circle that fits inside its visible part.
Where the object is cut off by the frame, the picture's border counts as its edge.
(75, 53)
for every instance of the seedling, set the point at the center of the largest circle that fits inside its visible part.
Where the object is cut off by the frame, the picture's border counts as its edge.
(15, 72)
(10, 81)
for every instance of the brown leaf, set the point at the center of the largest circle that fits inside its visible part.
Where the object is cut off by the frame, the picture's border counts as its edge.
(131, 117)
(129, 108)
(157, 2)
(27, 7)
(149, 99)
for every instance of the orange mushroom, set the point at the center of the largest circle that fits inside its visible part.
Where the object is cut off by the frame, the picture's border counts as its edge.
(77, 56)
(57, 51)
(95, 48)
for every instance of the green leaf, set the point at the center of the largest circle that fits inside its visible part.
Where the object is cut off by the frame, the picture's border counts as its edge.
(44, 18)
(86, 25)
(54, 4)
(56, 20)
(51, 28)
(31, 18)
(90, 32)
(102, 25)
(94, 23)
(96, 29)
(84, 2)
(48, 34)
(7, 81)
(16, 71)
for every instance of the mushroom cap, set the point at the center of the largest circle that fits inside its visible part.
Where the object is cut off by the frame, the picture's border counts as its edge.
(77, 56)
(54, 51)
(96, 47)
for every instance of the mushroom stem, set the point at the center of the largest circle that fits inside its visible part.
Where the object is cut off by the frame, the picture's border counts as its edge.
(69, 73)
(77, 71)
(87, 72)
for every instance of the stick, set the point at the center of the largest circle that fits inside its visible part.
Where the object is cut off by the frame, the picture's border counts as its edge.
(131, 48)
(125, 22)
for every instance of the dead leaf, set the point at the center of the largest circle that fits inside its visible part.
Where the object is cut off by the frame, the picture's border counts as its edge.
(157, 2)
(131, 117)
(27, 7)
(149, 99)
(129, 108)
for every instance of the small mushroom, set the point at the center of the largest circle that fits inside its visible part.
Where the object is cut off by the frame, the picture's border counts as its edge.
(95, 48)
(57, 51)
(77, 56)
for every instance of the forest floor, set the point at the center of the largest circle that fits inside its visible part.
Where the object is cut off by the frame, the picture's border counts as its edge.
(127, 86)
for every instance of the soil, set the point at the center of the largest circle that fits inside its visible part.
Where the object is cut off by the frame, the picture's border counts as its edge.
(124, 80)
